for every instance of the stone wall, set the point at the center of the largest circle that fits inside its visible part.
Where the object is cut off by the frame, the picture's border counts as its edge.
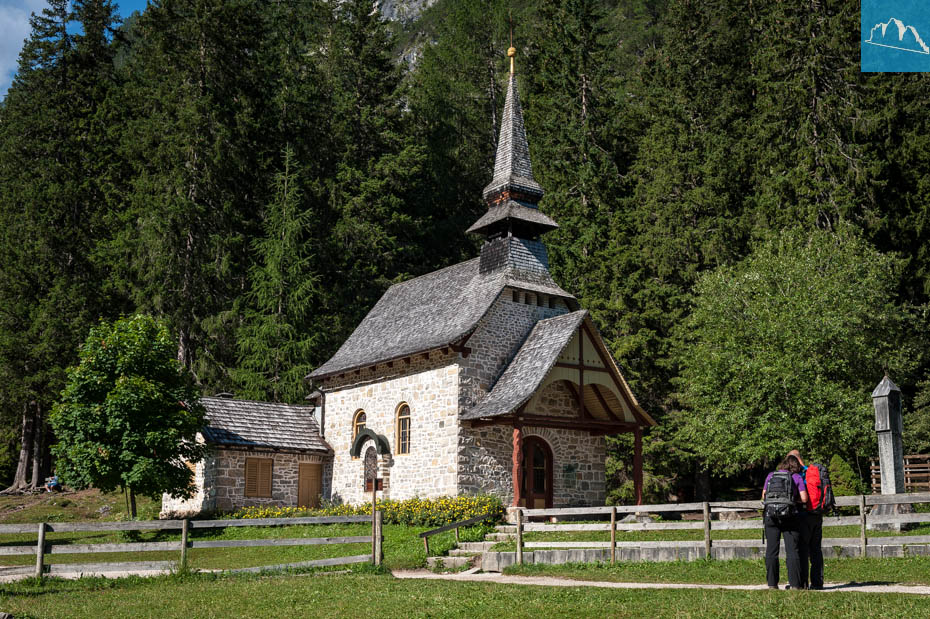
(486, 453)
(429, 386)
(498, 337)
(578, 476)
(220, 482)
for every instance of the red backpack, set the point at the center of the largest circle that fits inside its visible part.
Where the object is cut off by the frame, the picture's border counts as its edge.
(820, 497)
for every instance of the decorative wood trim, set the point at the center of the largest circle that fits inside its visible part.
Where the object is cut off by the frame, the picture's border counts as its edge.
(581, 371)
(610, 366)
(603, 402)
(398, 443)
(582, 412)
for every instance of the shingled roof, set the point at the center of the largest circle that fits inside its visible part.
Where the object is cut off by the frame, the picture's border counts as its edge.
(428, 312)
(529, 367)
(246, 423)
(513, 170)
(514, 210)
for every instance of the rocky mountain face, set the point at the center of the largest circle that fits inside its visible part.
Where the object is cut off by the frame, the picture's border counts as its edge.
(404, 11)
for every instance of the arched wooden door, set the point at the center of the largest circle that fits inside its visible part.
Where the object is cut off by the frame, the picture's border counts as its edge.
(537, 473)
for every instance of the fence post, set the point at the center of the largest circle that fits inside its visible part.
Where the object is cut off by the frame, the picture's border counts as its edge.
(378, 536)
(456, 535)
(184, 526)
(519, 536)
(613, 535)
(707, 547)
(426, 545)
(862, 538)
(40, 551)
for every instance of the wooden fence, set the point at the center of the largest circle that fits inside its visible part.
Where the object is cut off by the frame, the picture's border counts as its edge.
(707, 524)
(43, 547)
(448, 527)
(916, 473)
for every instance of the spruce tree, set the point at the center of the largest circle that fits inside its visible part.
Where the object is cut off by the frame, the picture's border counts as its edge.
(277, 339)
(54, 145)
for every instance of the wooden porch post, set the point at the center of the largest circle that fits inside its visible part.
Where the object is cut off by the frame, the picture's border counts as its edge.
(517, 465)
(638, 464)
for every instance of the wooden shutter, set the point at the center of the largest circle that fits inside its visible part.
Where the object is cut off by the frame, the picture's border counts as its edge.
(258, 477)
(264, 477)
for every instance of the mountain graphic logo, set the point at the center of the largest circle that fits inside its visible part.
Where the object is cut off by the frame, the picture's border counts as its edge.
(896, 35)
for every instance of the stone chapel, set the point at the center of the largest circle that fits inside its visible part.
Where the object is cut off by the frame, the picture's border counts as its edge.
(482, 377)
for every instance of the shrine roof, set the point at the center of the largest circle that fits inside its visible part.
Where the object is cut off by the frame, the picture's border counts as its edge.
(246, 423)
(430, 311)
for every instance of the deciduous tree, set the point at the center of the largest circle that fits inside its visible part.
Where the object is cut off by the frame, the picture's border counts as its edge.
(129, 415)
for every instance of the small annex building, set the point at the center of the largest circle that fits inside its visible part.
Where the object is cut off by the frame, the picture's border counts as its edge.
(482, 377)
(260, 453)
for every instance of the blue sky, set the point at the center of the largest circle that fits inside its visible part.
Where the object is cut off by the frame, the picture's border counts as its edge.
(14, 29)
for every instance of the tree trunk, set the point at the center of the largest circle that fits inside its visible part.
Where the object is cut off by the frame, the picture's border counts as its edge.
(25, 451)
(38, 447)
(132, 504)
(702, 485)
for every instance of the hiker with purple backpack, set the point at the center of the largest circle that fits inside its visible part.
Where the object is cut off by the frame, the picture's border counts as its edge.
(782, 495)
(820, 501)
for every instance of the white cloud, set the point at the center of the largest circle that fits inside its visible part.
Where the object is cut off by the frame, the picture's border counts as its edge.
(14, 29)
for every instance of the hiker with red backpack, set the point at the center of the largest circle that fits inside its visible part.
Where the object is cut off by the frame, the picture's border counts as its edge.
(783, 493)
(820, 500)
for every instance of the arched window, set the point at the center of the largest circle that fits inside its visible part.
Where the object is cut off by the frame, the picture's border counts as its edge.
(403, 429)
(358, 423)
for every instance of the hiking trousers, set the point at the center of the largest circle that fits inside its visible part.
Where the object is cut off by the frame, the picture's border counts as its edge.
(812, 546)
(790, 531)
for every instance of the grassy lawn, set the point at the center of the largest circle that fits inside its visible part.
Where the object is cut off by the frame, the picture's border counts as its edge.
(402, 548)
(70, 506)
(363, 594)
(906, 570)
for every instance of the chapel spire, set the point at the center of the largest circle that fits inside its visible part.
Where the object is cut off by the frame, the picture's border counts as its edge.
(513, 194)
(513, 172)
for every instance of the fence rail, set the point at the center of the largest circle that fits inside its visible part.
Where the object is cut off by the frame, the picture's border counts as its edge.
(916, 473)
(44, 547)
(707, 524)
(448, 527)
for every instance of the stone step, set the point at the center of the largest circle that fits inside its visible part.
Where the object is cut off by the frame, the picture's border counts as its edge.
(500, 537)
(476, 546)
(449, 562)
(458, 552)
(506, 528)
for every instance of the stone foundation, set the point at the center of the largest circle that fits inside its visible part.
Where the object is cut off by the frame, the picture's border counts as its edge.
(497, 561)
(220, 482)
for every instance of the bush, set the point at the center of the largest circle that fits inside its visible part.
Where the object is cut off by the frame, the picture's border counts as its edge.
(844, 479)
(414, 511)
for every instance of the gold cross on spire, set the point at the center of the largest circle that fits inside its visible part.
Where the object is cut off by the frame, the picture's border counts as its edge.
(512, 51)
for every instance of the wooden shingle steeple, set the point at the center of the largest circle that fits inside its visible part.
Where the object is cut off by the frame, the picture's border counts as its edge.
(513, 194)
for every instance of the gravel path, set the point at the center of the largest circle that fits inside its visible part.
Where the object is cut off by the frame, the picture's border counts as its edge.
(546, 581)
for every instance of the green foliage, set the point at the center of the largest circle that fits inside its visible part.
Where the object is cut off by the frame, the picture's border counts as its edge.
(129, 413)
(844, 479)
(782, 350)
(275, 340)
(916, 434)
(413, 512)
